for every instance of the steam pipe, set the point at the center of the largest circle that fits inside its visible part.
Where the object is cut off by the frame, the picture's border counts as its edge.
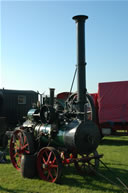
(81, 76)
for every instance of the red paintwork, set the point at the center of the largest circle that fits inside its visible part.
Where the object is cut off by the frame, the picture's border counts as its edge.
(47, 165)
(111, 103)
(63, 95)
(18, 147)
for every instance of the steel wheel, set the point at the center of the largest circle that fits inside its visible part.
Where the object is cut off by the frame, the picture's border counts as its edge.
(87, 165)
(21, 143)
(49, 164)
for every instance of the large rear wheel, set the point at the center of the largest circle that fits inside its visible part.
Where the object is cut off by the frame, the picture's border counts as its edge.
(21, 143)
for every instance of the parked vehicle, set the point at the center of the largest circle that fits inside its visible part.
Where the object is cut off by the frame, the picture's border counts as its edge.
(14, 104)
(111, 105)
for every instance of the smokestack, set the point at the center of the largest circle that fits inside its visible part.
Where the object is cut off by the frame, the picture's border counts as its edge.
(52, 96)
(81, 76)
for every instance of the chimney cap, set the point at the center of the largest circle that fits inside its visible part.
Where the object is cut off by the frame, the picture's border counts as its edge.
(78, 18)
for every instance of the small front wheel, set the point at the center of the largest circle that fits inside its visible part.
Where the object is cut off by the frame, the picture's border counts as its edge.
(49, 164)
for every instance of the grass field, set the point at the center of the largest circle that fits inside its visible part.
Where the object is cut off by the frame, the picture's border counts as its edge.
(115, 150)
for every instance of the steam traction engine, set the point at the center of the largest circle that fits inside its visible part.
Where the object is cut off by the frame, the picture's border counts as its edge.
(55, 135)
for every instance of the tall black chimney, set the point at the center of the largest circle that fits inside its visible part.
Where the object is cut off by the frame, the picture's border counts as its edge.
(81, 76)
(52, 96)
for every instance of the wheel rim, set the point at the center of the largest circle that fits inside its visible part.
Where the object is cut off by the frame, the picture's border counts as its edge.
(87, 167)
(18, 146)
(49, 164)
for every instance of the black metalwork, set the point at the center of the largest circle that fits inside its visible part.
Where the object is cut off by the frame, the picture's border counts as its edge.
(52, 96)
(81, 80)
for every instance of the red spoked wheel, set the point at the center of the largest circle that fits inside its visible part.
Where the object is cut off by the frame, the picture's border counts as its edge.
(21, 143)
(85, 164)
(49, 164)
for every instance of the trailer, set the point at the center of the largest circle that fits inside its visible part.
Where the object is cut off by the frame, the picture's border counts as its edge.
(14, 104)
(111, 105)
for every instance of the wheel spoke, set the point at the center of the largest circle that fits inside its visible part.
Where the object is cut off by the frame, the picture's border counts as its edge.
(54, 160)
(43, 160)
(50, 175)
(24, 147)
(47, 176)
(19, 140)
(26, 151)
(25, 139)
(49, 157)
(15, 155)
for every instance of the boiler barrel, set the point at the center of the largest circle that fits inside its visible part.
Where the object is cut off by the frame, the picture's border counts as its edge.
(76, 136)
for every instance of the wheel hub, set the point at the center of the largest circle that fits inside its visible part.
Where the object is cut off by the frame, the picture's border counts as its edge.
(45, 166)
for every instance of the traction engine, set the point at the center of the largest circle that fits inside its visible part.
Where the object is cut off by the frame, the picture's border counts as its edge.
(54, 135)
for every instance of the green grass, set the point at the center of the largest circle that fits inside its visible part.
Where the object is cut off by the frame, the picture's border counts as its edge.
(115, 150)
